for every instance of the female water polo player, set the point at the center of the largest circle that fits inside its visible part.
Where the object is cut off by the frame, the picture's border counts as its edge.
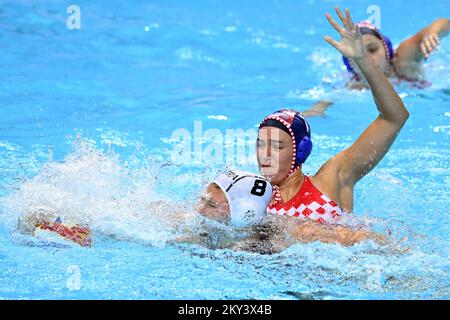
(401, 64)
(241, 198)
(284, 144)
(404, 63)
(236, 198)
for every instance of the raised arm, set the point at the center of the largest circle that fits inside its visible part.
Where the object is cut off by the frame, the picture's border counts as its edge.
(356, 161)
(418, 47)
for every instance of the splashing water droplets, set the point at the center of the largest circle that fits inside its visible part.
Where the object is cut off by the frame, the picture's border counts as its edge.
(92, 187)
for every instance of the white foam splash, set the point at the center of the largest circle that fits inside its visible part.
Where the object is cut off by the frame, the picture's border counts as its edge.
(94, 187)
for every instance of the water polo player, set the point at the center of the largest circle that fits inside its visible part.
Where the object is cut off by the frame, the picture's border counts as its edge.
(284, 143)
(241, 199)
(405, 62)
(237, 198)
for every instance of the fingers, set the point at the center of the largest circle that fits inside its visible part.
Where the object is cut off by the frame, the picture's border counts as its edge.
(335, 25)
(333, 42)
(349, 19)
(423, 49)
(433, 41)
(358, 32)
(429, 44)
(343, 19)
(346, 21)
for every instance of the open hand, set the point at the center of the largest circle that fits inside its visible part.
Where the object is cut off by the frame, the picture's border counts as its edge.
(351, 44)
(429, 43)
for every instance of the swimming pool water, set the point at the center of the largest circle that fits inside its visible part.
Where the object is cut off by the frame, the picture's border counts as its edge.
(86, 119)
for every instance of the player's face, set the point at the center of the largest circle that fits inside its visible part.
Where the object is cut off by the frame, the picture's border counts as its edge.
(213, 204)
(274, 154)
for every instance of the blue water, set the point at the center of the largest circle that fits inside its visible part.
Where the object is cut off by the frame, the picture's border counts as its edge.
(86, 119)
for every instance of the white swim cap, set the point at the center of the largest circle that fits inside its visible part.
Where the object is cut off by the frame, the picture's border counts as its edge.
(248, 196)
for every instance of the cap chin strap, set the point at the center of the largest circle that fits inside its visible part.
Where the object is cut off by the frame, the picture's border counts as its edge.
(276, 194)
(304, 147)
(304, 144)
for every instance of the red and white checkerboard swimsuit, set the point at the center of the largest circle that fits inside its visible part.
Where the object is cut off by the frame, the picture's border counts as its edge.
(310, 203)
